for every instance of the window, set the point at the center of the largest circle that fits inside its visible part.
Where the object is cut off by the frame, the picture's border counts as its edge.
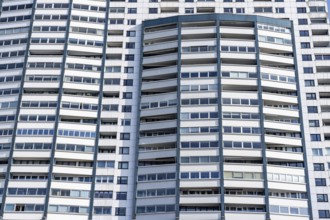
(315, 137)
(279, 10)
(153, 10)
(322, 197)
(127, 95)
(129, 69)
(320, 182)
(129, 57)
(128, 82)
(126, 108)
(301, 10)
(307, 57)
(125, 136)
(317, 9)
(113, 69)
(130, 33)
(123, 165)
(318, 166)
(124, 150)
(131, 22)
(228, 10)
(302, 21)
(305, 45)
(105, 164)
(322, 57)
(309, 83)
(120, 211)
(314, 123)
(102, 210)
(308, 70)
(263, 10)
(324, 214)
(311, 96)
(122, 180)
(131, 10)
(126, 122)
(121, 196)
(104, 179)
(103, 194)
(312, 109)
(189, 10)
(116, 21)
(130, 45)
(304, 33)
(240, 10)
(317, 152)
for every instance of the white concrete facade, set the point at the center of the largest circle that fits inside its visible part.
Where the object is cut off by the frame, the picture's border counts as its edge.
(105, 114)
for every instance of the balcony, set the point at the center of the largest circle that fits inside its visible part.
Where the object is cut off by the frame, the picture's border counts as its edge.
(274, 216)
(166, 168)
(199, 183)
(199, 199)
(282, 126)
(159, 72)
(284, 155)
(284, 140)
(299, 187)
(168, 85)
(281, 112)
(252, 153)
(278, 85)
(199, 215)
(80, 86)
(41, 85)
(158, 111)
(16, 168)
(161, 34)
(236, 30)
(245, 216)
(45, 48)
(160, 139)
(74, 155)
(271, 46)
(243, 167)
(238, 83)
(279, 98)
(160, 46)
(78, 113)
(249, 184)
(198, 30)
(31, 154)
(24, 215)
(245, 200)
(145, 155)
(72, 170)
(238, 57)
(78, 49)
(160, 59)
(158, 125)
(193, 58)
(284, 201)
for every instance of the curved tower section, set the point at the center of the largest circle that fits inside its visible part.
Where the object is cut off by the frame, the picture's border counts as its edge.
(220, 134)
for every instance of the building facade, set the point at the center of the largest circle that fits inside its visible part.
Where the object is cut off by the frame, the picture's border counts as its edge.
(164, 109)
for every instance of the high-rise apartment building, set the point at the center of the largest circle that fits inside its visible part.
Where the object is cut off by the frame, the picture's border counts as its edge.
(164, 109)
